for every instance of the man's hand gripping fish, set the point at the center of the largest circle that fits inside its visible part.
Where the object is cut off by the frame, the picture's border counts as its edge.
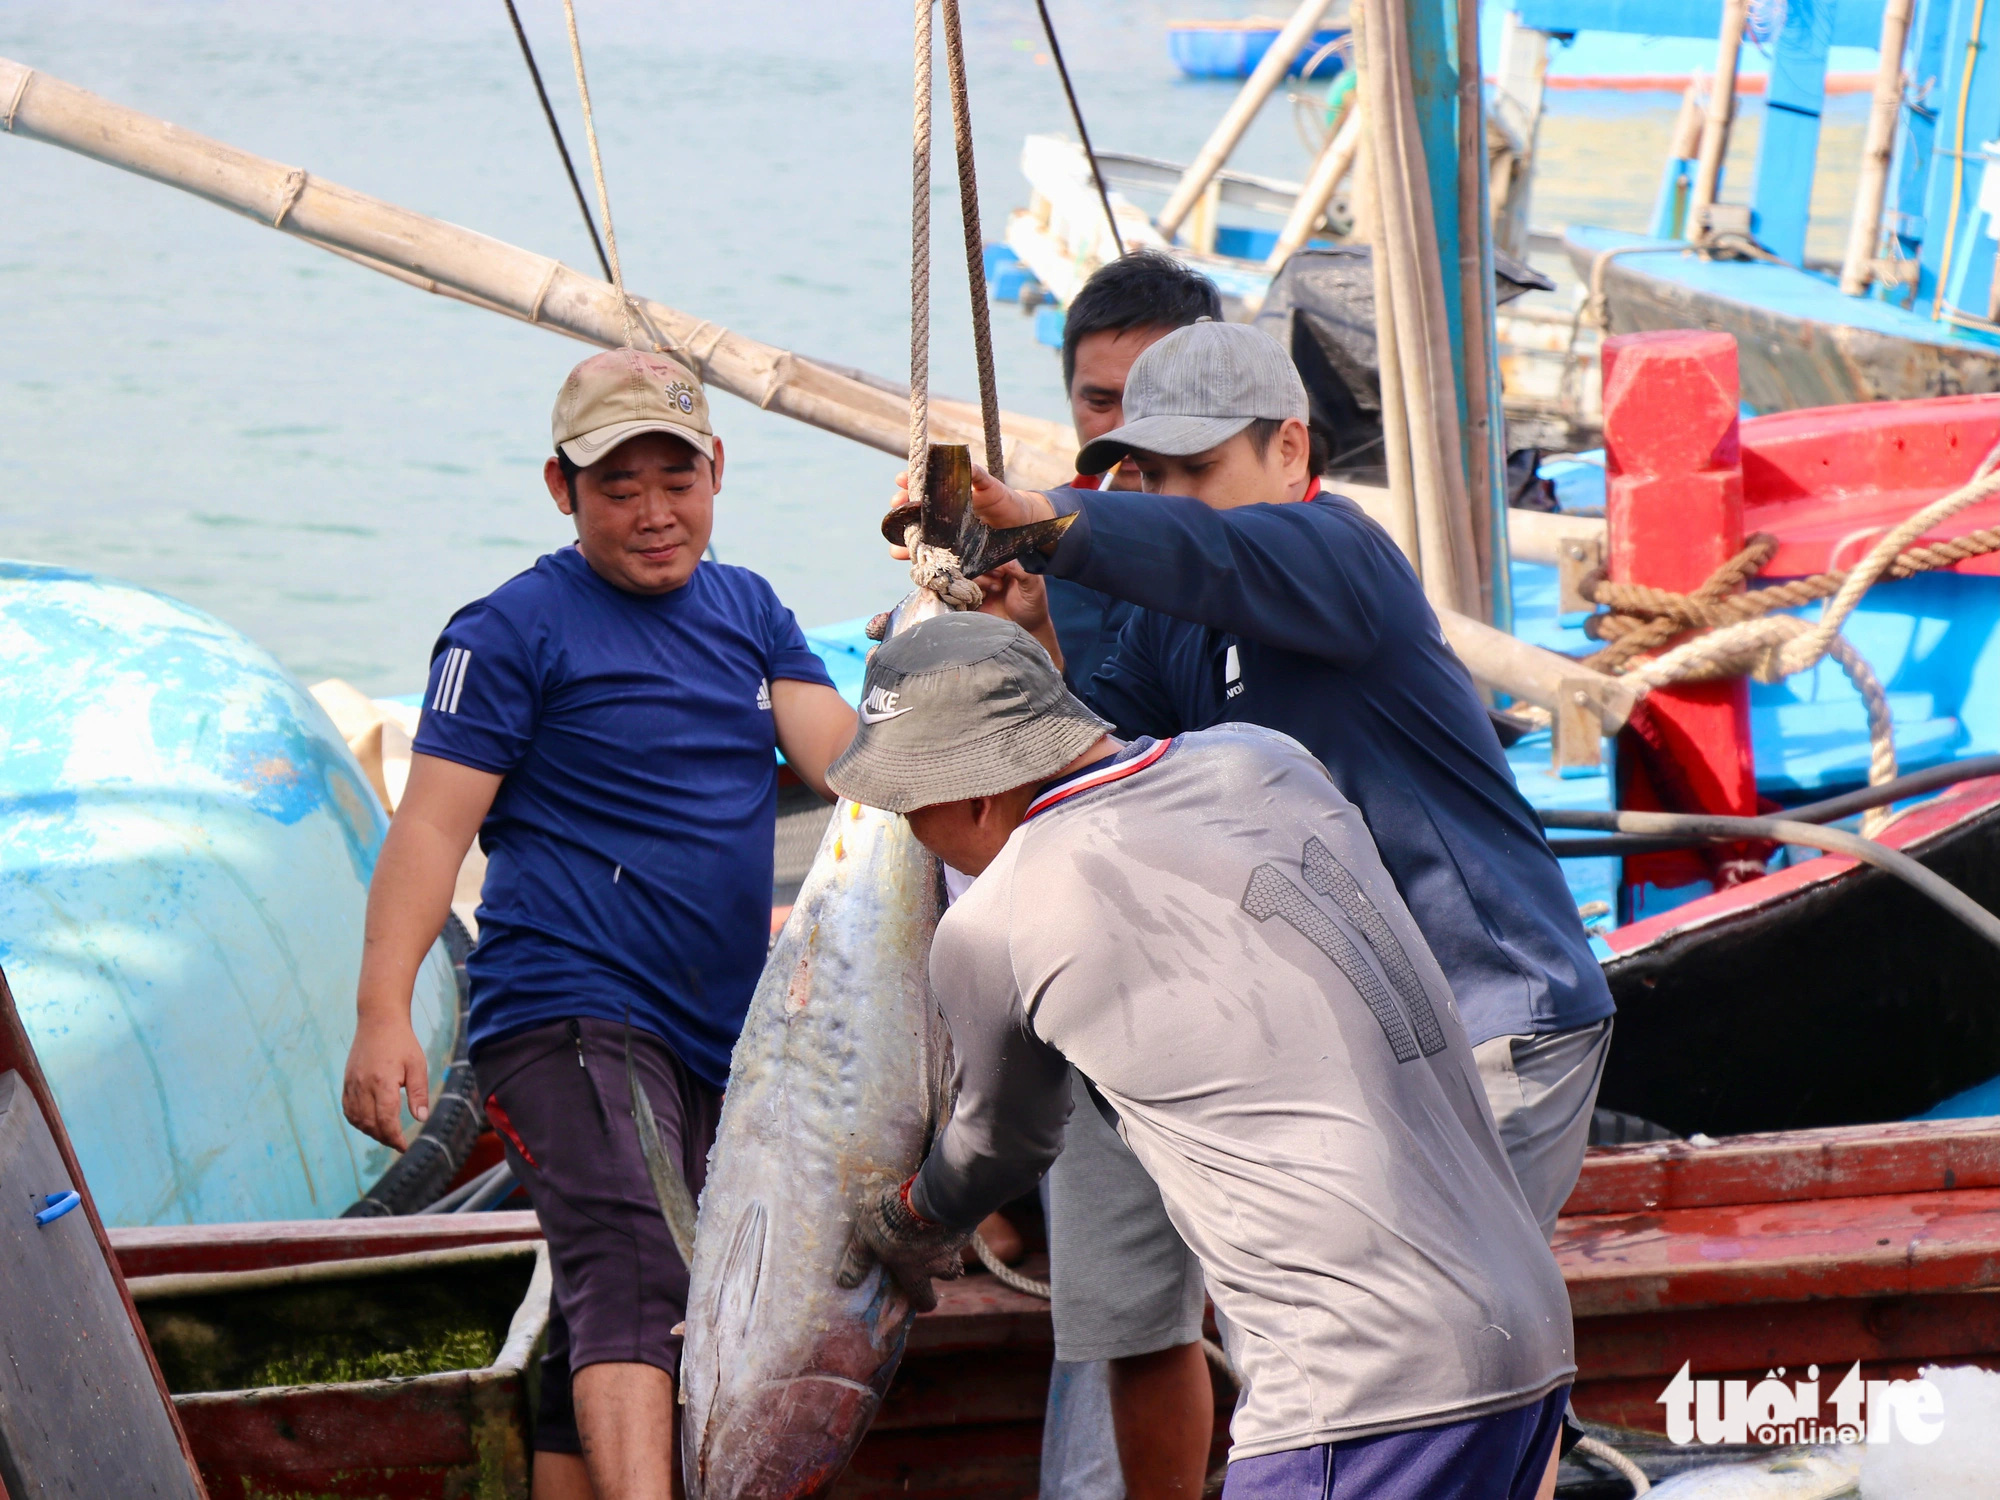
(838, 1084)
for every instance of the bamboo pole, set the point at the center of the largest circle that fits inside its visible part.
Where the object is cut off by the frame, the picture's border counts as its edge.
(1721, 112)
(1332, 164)
(1864, 235)
(1406, 243)
(1484, 438)
(486, 272)
(1229, 130)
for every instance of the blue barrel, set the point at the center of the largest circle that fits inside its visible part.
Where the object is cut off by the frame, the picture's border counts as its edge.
(185, 850)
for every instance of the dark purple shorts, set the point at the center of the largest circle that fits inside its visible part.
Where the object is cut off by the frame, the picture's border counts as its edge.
(1501, 1456)
(557, 1095)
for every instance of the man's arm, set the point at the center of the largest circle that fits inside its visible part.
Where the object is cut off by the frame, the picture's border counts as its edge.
(814, 726)
(408, 900)
(1312, 578)
(1013, 1087)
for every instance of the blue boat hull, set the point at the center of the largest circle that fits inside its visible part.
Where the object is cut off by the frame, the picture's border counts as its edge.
(184, 866)
(1235, 51)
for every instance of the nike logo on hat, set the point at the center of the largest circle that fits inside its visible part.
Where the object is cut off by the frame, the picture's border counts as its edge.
(880, 704)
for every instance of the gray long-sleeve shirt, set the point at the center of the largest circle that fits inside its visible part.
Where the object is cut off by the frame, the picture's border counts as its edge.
(1206, 932)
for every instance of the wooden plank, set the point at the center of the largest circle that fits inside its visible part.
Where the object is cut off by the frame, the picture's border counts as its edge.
(1949, 1326)
(17, 1054)
(1853, 1161)
(1788, 148)
(171, 1249)
(1905, 1245)
(79, 1411)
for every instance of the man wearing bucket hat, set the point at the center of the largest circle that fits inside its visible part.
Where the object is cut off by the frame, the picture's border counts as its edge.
(604, 722)
(1263, 600)
(1202, 927)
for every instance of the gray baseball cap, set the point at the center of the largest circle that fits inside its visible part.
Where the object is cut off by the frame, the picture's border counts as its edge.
(1199, 386)
(963, 705)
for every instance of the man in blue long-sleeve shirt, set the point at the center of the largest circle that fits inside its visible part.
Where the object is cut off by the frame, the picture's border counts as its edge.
(1264, 601)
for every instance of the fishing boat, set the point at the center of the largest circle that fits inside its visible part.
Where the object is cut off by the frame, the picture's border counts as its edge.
(1232, 49)
(1913, 309)
(1651, 1224)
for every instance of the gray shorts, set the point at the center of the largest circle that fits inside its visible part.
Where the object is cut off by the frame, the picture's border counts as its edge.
(1543, 1089)
(1124, 1281)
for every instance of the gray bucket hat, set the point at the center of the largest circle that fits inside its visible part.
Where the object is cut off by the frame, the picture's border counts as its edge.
(1199, 386)
(963, 705)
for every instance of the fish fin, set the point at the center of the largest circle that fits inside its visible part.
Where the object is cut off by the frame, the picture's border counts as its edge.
(946, 518)
(943, 1092)
(742, 1269)
(669, 1187)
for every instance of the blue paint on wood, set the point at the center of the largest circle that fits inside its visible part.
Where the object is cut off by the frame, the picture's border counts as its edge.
(1916, 135)
(1434, 70)
(1670, 205)
(1782, 289)
(185, 849)
(1788, 150)
(1950, 197)
(1858, 23)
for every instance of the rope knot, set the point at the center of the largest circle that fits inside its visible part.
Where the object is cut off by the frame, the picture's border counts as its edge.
(938, 569)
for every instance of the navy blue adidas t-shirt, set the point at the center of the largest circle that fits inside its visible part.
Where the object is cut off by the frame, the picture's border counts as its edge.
(629, 849)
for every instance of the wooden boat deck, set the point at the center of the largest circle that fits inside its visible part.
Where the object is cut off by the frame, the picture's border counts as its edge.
(1876, 1243)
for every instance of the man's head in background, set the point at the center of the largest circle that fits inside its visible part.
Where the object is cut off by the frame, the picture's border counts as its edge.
(1215, 411)
(1127, 306)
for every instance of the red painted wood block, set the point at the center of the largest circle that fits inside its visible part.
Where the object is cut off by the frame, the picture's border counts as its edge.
(1909, 1244)
(1828, 482)
(1674, 493)
(173, 1248)
(1849, 1161)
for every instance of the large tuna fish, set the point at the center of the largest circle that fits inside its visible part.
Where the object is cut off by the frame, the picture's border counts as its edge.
(838, 1084)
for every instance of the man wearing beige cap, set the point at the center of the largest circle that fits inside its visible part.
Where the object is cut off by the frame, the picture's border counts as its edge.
(604, 723)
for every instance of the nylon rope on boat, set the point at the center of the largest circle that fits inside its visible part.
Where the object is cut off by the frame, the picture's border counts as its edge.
(937, 568)
(1076, 114)
(597, 172)
(975, 258)
(1740, 637)
(562, 146)
(1617, 1462)
(1027, 1286)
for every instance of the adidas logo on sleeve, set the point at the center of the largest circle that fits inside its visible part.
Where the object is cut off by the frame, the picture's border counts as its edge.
(451, 681)
(764, 693)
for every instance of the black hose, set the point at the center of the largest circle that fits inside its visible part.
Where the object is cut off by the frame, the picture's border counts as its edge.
(419, 1177)
(1076, 114)
(569, 166)
(1709, 829)
(1829, 810)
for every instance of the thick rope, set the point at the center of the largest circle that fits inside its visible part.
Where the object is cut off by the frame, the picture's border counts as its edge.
(1617, 1462)
(975, 256)
(938, 569)
(597, 172)
(1742, 637)
(1006, 1275)
(920, 261)
(1027, 1286)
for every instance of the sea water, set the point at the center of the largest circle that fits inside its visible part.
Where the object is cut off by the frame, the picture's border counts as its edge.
(333, 462)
